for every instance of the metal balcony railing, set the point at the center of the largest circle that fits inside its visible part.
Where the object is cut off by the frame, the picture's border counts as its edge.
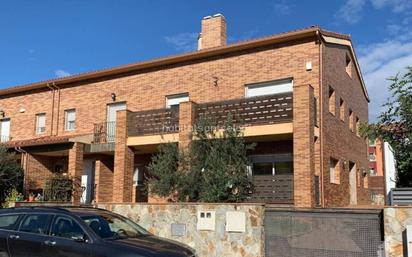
(104, 132)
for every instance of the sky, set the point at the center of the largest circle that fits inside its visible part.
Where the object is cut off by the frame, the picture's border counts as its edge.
(46, 39)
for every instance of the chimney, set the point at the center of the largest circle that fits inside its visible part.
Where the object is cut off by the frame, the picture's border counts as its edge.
(213, 32)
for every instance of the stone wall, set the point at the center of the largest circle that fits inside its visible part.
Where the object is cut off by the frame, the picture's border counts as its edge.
(395, 221)
(158, 219)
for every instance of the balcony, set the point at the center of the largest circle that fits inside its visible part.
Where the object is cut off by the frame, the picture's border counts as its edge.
(260, 110)
(104, 132)
(263, 110)
(153, 122)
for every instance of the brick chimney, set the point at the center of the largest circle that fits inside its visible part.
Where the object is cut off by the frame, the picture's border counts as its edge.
(213, 32)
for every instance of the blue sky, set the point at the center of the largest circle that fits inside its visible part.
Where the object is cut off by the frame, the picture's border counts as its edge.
(44, 39)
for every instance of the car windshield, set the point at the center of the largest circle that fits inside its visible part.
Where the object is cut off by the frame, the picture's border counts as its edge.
(109, 226)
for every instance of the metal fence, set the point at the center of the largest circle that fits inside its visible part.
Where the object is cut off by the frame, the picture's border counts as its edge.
(401, 196)
(273, 189)
(104, 132)
(323, 233)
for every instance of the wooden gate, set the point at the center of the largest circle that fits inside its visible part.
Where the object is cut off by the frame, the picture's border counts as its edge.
(273, 189)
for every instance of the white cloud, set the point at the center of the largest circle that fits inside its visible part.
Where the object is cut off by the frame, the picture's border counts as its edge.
(351, 11)
(380, 61)
(183, 41)
(395, 5)
(282, 8)
(61, 73)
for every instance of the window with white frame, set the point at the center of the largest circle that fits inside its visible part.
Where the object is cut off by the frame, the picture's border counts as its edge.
(70, 120)
(334, 171)
(40, 123)
(269, 88)
(175, 100)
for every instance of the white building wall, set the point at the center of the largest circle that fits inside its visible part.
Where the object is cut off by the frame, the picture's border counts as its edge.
(389, 165)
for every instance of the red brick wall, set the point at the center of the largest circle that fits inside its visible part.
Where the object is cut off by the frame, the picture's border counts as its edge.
(213, 32)
(41, 168)
(147, 90)
(104, 180)
(339, 141)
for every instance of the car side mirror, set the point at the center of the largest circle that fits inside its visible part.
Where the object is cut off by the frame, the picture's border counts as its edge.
(79, 238)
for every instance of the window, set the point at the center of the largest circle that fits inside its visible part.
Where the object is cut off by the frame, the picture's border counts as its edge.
(334, 171)
(138, 176)
(357, 125)
(70, 120)
(175, 100)
(36, 223)
(332, 101)
(351, 127)
(342, 109)
(66, 228)
(372, 157)
(278, 166)
(110, 226)
(40, 123)
(264, 168)
(372, 171)
(269, 88)
(4, 130)
(348, 66)
(8, 222)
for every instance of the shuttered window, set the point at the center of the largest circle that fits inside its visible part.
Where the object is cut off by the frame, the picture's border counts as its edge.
(269, 88)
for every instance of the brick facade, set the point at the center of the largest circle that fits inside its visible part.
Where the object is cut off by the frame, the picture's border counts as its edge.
(104, 180)
(123, 162)
(215, 73)
(303, 145)
(75, 168)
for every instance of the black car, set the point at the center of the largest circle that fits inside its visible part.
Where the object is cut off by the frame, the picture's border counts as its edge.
(79, 232)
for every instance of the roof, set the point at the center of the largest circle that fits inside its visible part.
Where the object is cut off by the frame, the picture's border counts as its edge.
(190, 56)
(46, 140)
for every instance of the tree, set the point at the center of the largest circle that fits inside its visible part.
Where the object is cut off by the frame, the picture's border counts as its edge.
(394, 125)
(11, 174)
(212, 169)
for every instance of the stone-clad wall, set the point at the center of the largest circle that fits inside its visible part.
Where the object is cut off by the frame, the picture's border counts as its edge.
(395, 221)
(158, 219)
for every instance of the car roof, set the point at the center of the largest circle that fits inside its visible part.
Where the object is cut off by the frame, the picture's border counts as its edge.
(75, 210)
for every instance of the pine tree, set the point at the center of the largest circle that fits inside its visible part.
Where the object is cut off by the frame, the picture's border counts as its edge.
(213, 169)
(11, 174)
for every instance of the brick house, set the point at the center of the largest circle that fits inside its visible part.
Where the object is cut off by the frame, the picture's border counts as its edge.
(300, 93)
(381, 168)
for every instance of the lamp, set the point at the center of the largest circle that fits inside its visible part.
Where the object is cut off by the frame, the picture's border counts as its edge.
(113, 95)
(215, 80)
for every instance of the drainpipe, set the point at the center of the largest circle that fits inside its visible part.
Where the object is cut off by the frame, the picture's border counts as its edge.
(322, 188)
(24, 163)
(58, 106)
(52, 112)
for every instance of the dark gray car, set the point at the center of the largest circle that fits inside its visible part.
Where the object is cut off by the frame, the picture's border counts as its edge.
(78, 232)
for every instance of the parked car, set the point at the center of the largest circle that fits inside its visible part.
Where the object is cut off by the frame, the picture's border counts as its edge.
(78, 232)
